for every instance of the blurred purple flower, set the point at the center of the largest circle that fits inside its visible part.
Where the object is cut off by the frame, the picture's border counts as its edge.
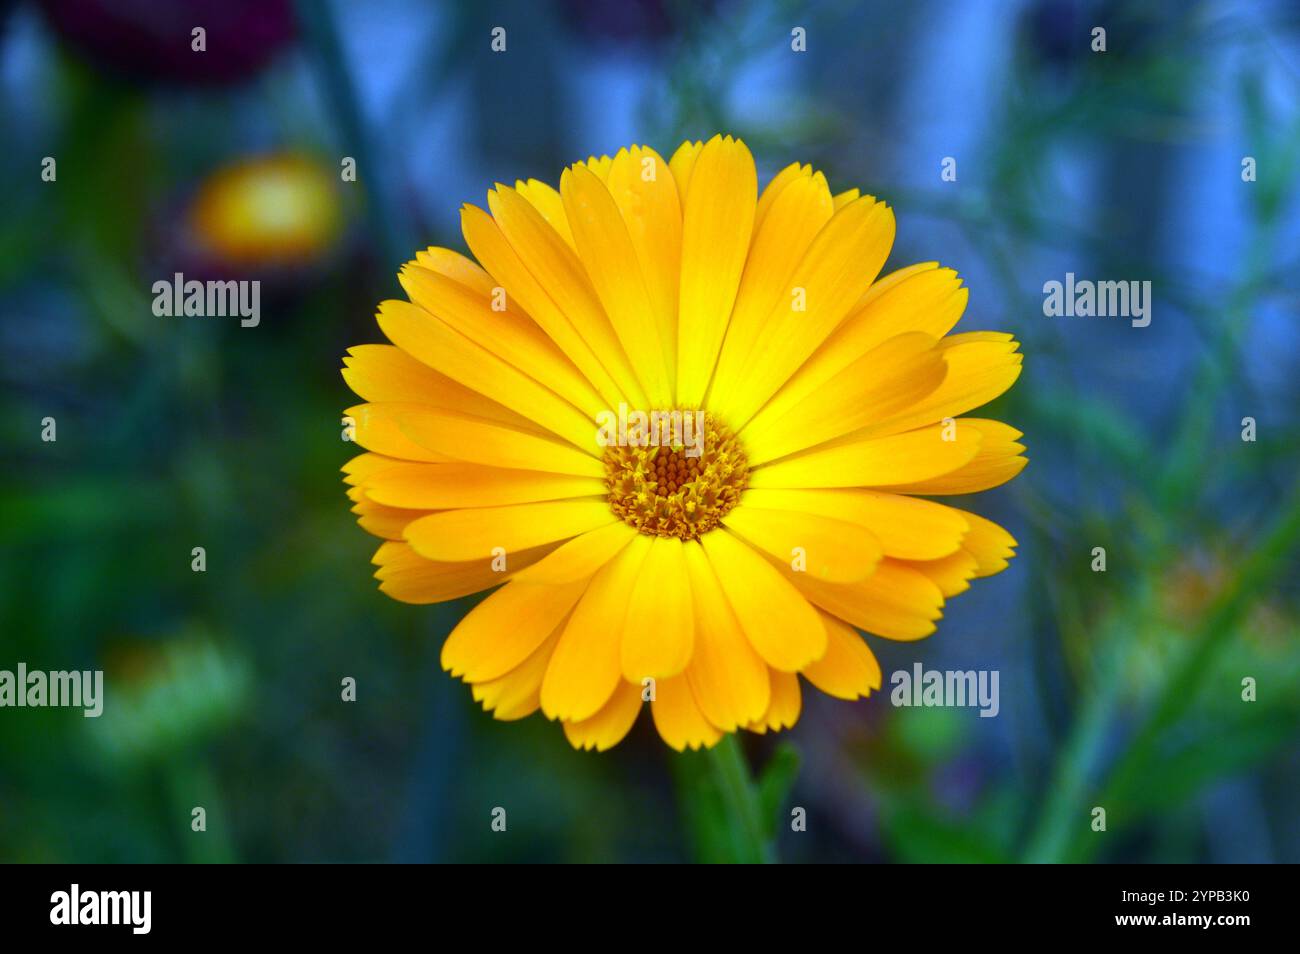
(628, 20)
(150, 41)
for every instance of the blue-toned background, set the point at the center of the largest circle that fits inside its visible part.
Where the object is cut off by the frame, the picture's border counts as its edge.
(1120, 689)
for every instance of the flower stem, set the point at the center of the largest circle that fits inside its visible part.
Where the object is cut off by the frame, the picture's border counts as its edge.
(741, 802)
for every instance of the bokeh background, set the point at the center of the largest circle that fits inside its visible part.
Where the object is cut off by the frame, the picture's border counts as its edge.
(1121, 689)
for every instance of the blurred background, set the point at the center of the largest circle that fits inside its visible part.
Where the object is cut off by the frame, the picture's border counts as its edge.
(1120, 689)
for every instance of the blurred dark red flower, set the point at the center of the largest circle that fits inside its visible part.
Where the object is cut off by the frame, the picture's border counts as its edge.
(629, 20)
(151, 41)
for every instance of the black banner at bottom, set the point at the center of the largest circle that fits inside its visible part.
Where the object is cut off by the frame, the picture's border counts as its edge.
(337, 903)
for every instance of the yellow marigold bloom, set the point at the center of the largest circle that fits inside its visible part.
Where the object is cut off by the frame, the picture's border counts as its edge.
(704, 568)
(278, 209)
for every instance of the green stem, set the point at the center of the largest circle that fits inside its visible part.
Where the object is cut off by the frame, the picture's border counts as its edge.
(1074, 774)
(740, 799)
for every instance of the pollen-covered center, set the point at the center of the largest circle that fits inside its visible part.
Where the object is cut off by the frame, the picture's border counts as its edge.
(677, 474)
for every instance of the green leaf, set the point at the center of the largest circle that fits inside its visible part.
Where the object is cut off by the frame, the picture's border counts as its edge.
(917, 835)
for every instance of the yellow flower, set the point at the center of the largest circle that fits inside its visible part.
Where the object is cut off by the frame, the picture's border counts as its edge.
(744, 546)
(280, 209)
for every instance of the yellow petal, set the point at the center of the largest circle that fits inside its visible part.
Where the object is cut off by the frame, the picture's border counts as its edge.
(607, 727)
(777, 620)
(717, 223)
(390, 523)
(363, 465)
(907, 458)
(786, 703)
(643, 187)
(952, 574)
(774, 188)
(611, 262)
(376, 427)
(559, 271)
(660, 630)
(980, 368)
(406, 576)
(512, 337)
(679, 720)
(443, 348)
(728, 678)
(826, 548)
(502, 631)
(796, 215)
(599, 167)
(921, 298)
(385, 373)
(838, 267)
(897, 377)
(844, 198)
(586, 667)
(906, 527)
(457, 267)
(583, 555)
(849, 670)
(547, 201)
(896, 601)
(996, 462)
(458, 485)
(452, 535)
(452, 436)
(516, 694)
(988, 543)
(493, 249)
(682, 165)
